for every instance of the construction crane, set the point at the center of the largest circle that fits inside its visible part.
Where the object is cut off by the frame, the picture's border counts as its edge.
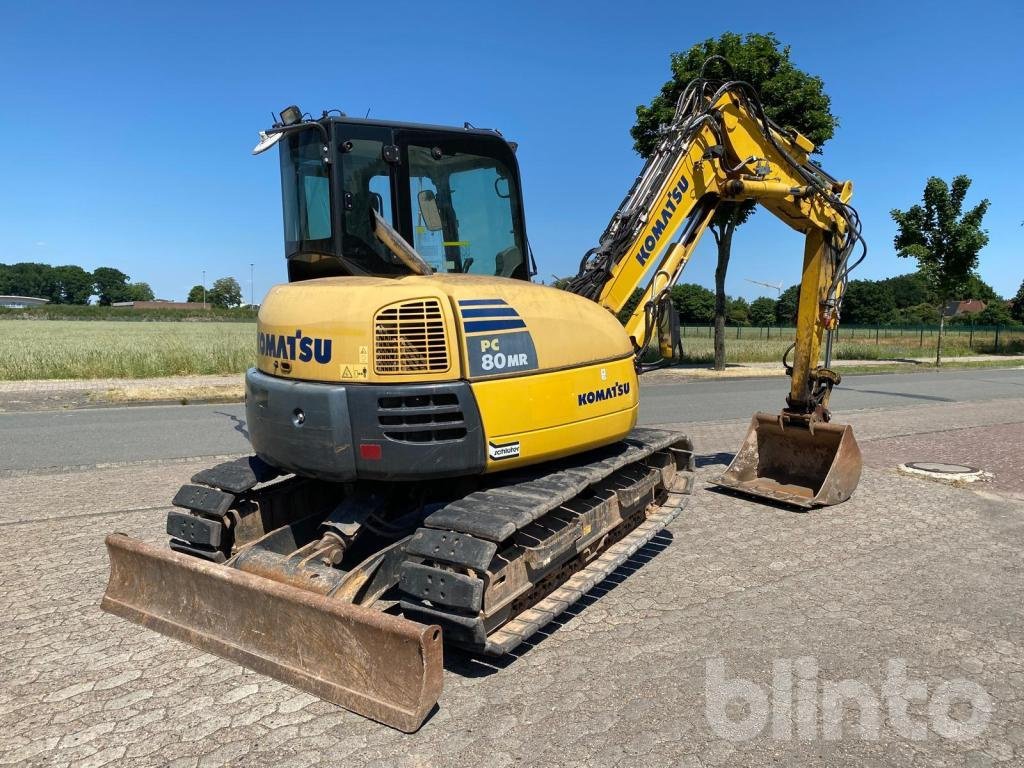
(777, 287)
(445, 451)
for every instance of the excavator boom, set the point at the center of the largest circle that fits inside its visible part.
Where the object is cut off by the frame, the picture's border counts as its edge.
(720, 149)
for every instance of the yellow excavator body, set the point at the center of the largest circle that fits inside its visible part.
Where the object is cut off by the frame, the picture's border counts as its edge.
(443, 448)
(550, 371)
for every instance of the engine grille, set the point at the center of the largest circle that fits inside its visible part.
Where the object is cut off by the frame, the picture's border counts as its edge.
(410, 338)
(432, 418)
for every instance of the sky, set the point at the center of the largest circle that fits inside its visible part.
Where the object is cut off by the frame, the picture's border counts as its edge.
(126, 129)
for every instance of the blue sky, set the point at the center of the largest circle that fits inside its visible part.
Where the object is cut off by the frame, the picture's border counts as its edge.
(126, 128)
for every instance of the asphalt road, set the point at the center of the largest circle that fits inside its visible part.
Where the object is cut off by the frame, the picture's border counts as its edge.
(41, 440)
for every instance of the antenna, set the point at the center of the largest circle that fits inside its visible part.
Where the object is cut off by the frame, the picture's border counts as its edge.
(777, 287)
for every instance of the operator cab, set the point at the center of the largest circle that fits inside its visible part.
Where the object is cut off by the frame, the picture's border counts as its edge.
(454, 194)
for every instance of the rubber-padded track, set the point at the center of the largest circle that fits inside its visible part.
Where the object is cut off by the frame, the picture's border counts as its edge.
(532, 619)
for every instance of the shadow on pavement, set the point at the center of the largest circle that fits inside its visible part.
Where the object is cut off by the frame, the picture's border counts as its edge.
(239, 423)
(710, 459)
(477, 665)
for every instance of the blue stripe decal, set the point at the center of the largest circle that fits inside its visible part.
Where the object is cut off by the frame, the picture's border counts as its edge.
(478, 302)
(490, 312)
(479, 326)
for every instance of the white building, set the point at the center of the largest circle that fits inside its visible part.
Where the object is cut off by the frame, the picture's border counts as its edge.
(21, 302)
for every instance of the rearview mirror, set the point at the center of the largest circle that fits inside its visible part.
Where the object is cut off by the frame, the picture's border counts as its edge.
(429, 211)
(669, 343)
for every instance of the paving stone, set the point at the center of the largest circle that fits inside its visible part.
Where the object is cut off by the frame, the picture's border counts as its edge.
(908, 570)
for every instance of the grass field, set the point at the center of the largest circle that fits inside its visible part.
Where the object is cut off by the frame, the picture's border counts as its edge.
(73, 349)
(755, 345)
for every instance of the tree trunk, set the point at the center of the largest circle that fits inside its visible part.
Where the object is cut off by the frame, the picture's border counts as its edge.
(724, 241)
(938, 342)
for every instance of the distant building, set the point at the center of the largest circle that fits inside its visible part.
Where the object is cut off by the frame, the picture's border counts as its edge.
(969, 307)
(159, 304)
(21, 302)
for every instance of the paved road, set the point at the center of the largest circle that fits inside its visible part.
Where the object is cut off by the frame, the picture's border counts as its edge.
(717, 645)
(38, 440)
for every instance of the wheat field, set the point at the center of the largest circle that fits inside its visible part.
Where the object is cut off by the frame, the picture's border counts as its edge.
(68, 349)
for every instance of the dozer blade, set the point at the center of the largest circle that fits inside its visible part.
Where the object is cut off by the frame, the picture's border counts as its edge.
(379, 666)
(790, 463)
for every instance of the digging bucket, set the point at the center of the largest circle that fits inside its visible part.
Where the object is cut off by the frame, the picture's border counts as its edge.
(792, 464)
(377, 665)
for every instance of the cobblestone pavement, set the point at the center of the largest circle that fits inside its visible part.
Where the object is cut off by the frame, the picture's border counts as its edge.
(909, 572)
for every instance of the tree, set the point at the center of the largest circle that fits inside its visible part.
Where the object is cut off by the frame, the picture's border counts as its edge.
(944, 240)
(785, 307)
(139, 292)
(910, 290)
(28, 279)
(110, 285)
(919, 314)
(762, 311)
(1017, 304)
(197, 294)
(73, 285)
(694, 303)
(868, 302)
(226, 292)
(739, 311)
(995, 313)
(791, 97)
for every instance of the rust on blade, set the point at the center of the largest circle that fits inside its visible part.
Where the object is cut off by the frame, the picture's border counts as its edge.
(377, 665)
(790, 463)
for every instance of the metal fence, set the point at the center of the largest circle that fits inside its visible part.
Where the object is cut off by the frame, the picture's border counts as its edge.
(982, 338)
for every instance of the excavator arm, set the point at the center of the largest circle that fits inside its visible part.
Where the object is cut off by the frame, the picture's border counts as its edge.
(721, 148)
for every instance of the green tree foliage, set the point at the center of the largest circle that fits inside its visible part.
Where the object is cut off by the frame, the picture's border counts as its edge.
(919, 314)
(785, 307)
(111, 285)
(694, 303)
(790, 97)
(995, 313)
(739, 311)
(197, 294)
(139, 292)
(1017, 304)
(762, 311)
(226, 293)
(910, 290)
(74, 285)
(976, 288)
(868, 302)
(67, 284)
(943, 239)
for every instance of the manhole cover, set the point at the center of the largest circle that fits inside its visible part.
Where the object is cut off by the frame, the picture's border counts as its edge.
(950, 473)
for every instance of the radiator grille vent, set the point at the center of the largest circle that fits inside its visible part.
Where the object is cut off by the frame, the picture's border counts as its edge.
(429, 418)
(410, 338)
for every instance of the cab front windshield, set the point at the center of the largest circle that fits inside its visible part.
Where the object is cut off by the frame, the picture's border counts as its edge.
(464, 215)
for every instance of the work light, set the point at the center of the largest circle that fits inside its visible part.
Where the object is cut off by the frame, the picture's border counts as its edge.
(291, 115)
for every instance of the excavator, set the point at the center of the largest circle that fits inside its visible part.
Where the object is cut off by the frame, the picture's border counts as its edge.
(444, 451)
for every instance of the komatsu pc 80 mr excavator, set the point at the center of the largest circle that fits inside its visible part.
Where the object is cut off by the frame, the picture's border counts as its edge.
(442, 445)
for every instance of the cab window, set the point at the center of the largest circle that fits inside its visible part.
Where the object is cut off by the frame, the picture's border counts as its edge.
(464, 219)
(366, 187)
